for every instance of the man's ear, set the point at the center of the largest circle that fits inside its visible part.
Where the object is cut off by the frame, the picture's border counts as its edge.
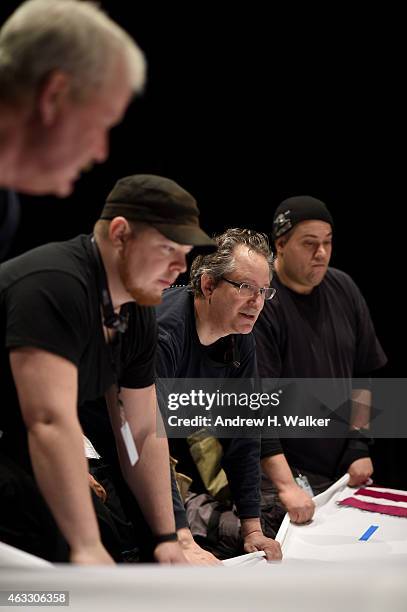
(279, 245)
(54, 93)
(119, 232)
(207, 285)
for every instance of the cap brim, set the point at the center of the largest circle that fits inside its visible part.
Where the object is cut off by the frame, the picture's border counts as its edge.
(186, 234)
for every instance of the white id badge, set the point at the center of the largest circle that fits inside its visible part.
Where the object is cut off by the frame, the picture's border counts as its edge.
(303, 482)
(129, 443)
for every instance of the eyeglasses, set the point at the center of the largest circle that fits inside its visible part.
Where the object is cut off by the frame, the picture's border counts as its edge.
(247, 290)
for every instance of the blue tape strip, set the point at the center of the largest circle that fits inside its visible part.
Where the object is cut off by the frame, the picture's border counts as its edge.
(369, 532)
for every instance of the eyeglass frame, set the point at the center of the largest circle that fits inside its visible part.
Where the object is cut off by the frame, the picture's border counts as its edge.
(260, 290)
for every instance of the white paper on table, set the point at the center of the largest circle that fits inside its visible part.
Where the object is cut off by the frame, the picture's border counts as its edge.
(250, 559)
(335, 531)
(14, 557)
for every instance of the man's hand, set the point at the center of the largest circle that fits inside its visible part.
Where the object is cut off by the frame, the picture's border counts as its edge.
(97, 488)
(360, 471)
(258, 541)
(298, 503)
(169, 552)
(254, 539)
(193, 552)
(92, 555)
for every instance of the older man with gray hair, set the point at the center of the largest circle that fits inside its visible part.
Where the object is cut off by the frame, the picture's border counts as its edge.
(67, 74)
(205, 333)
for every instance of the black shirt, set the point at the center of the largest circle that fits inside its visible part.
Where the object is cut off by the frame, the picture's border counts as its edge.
(9, 220)
(49, 299)
(325, 334)
(181, 355)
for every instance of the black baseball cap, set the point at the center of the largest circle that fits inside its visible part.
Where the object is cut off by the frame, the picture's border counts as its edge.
(159, 202)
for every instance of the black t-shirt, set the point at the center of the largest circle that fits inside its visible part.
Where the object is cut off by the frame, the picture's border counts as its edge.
(181, 355)
(49, 299)
(325, 334)
(9, 220)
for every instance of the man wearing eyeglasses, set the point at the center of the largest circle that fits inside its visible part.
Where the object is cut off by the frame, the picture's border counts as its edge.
(319, 327)
(205, 332)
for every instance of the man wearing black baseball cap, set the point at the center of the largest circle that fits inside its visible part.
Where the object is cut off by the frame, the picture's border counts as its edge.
(161, 203)
(318, 326)
(156, 218)
(75, 330)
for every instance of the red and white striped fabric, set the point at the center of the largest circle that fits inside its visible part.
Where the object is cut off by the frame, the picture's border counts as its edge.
(376, 499)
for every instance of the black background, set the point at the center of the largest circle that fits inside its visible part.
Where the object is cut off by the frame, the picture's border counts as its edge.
(244, 107)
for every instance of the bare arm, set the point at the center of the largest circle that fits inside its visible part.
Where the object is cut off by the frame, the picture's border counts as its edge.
(47, 391)
(149, 478)
(361, 403)
(361, 469)
(297, 502)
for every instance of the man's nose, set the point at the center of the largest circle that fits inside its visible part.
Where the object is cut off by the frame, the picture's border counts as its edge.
(180, 263)
(321, 251)
(257, 299)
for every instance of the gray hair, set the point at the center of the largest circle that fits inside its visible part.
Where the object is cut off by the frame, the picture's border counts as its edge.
(222, 261)
(74, 36)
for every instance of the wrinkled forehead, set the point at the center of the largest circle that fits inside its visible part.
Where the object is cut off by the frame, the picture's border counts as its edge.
(250, 266)
(113, 95)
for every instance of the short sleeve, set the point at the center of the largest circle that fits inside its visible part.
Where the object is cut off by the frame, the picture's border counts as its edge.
(139, 349)
(369, 353)
(268, 344)
(48, 310)
(167, 356)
